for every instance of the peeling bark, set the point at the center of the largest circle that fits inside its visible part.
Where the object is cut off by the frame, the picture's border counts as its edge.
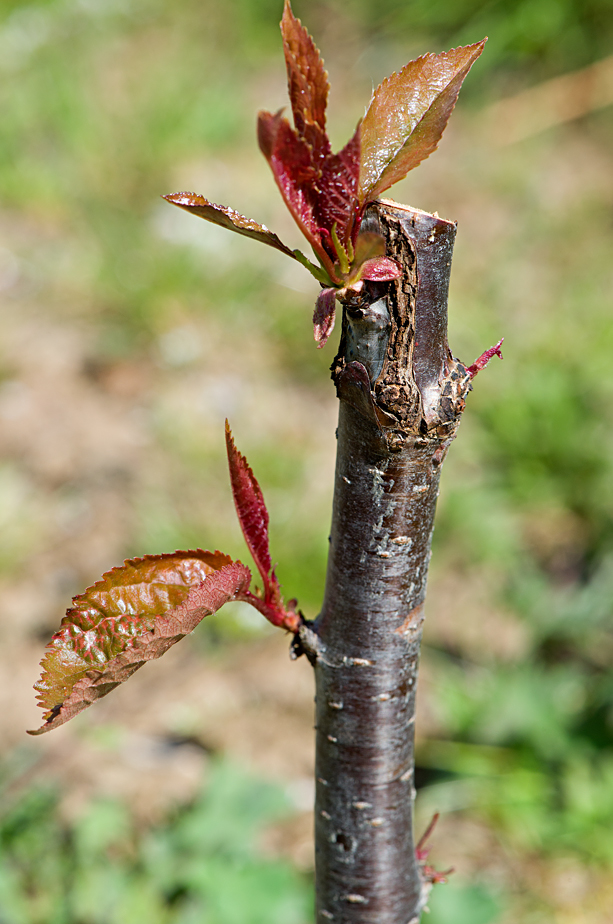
(401, 397)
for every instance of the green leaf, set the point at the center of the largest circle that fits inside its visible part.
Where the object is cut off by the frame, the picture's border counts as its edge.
(227, 218)
(341, 252)
(407, 116)
(318, 272)
(131, 616)
(368, 246)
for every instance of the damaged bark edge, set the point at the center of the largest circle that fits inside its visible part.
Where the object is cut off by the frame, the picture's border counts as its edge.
(401, 397)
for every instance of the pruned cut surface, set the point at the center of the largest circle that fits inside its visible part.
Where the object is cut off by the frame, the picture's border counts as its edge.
(131, 616)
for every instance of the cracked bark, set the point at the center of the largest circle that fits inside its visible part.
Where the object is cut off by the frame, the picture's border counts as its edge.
(401, 397)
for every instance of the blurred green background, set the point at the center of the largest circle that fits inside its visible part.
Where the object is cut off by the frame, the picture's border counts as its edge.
(131, 330)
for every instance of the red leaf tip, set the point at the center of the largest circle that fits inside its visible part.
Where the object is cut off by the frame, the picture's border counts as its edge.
(324, 316)
(250, 507)
(253, 518)
(421, 854)
(421, 850)
(484, 359)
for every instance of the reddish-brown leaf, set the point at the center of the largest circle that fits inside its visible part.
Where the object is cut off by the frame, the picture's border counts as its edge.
(319, 187)
(227, 218)
(324, 316)
(252, 516)
(380, 269)
(291, 161)
(320, 190)
(337, 202)
(306, 76)
(131, 616)
(407, 116)
(482, 361)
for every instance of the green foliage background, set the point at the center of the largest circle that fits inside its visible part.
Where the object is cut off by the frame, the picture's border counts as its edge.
(106, 104)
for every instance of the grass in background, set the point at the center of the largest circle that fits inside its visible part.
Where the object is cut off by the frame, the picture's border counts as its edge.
(202, 865)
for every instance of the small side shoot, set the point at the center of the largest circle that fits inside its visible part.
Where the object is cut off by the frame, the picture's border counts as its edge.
(136, 612)
(327, 194)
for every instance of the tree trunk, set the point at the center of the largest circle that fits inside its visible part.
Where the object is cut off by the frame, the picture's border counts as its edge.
(401, 396)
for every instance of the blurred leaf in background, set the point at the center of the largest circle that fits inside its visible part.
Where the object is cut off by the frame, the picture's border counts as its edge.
(531, 40)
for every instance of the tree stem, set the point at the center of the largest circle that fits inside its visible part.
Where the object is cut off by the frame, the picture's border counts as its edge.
(401, 396)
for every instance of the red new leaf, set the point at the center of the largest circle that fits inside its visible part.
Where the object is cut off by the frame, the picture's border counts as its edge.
(327, 193)
(380, 269)
(324, 316)
(291, 161)
(131, 616)
(484, 359)
(407, 116)
(306, 76)
(319, 187)
(319, 191)
(337, 203)
(252, 516)
(227, 218)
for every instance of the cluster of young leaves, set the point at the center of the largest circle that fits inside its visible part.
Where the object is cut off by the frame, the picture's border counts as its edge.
(326, 193)
(136, 612)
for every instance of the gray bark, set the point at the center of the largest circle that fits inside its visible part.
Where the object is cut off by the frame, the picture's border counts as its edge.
(401, 396)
